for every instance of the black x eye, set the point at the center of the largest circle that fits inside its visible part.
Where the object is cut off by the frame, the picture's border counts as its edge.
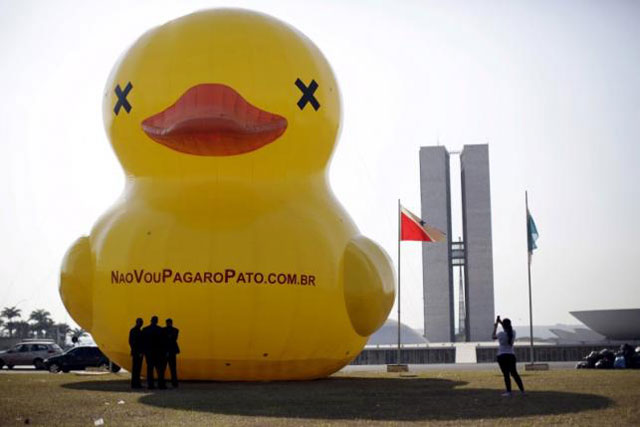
(307, 94)
(122, 98)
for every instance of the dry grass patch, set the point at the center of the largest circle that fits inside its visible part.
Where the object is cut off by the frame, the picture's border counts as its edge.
(447, 397)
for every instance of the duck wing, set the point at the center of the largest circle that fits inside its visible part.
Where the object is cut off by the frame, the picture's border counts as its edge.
(369, 284)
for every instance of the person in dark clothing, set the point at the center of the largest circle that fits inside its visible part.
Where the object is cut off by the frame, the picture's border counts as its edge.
(137, 349)
(506, 355)
(172, 349)
(154, 352)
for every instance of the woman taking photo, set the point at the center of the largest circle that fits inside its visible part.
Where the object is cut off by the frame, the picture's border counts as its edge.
(506, 355)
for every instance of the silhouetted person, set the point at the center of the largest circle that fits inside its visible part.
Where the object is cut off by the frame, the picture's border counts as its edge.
(136, 343)
(506, 355)
(154, 351)
(172, 349)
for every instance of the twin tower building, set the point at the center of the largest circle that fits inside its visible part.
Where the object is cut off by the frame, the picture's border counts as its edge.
(473, 254)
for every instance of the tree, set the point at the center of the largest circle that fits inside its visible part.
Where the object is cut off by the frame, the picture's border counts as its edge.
(22, 329)
(41, 322)
(78, 332)
(1, 324)
(59, 332)
(10, 313)
(63, 328)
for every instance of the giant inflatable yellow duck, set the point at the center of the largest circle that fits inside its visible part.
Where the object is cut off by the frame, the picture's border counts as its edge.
(224, 122)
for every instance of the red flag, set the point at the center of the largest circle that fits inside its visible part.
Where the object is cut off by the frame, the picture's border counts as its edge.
(414, 228)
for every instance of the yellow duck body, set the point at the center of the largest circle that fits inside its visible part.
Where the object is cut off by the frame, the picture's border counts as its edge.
(246, 249)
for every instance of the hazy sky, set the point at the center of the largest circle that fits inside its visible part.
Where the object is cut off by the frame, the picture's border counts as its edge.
(552, 86)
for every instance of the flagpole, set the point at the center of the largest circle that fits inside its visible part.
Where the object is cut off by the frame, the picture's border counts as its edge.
(526, 204)
(399, 239)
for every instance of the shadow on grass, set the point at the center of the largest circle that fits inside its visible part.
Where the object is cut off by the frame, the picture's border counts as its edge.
(345, 398)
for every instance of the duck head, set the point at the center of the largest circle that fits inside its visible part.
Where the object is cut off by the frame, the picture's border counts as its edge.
(225, 93)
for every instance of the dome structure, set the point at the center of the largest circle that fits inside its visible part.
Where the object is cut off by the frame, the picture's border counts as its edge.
(388, 335)
(622, 324)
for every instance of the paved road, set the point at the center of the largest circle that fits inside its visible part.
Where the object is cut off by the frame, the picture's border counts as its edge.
(374, 368)
(32, 370)
(452, 367)
(22, 370)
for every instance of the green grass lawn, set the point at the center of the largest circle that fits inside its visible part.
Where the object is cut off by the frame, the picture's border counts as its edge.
(447, 397)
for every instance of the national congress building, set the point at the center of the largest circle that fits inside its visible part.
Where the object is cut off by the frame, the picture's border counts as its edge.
(474, 253)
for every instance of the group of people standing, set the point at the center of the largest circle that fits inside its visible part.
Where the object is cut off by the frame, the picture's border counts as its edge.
(159, 347)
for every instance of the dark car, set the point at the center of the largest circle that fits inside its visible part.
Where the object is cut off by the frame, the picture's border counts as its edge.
(78, 358)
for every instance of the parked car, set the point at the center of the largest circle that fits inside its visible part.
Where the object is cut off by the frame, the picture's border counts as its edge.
(79, 358)
(29, 352)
